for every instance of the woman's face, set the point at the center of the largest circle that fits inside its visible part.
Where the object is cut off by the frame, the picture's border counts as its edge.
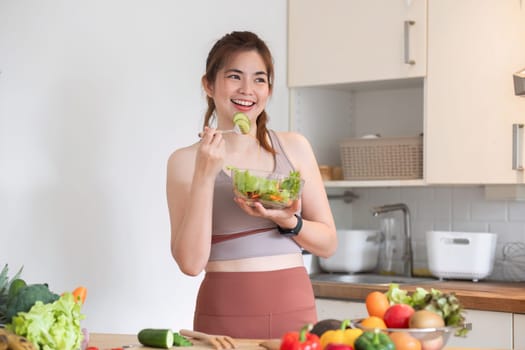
(240, 86)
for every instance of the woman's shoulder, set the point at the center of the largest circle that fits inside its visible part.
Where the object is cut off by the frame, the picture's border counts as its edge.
(183, 152)
(292, 140)
(182, 158)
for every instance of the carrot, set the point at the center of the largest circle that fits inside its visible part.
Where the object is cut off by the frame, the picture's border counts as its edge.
(80, 294)
(275, 197)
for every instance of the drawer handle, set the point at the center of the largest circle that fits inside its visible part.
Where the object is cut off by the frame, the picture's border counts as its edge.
(517, 145)
(407, 42)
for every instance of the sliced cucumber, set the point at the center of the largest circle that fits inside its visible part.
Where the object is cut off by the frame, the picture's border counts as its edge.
(180, 340)
(157, 338)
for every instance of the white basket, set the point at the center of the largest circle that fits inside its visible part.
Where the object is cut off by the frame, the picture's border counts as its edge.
(461, 255)
(357, 251)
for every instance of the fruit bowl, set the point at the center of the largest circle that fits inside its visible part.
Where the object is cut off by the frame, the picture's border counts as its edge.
(272, 190)
(428, 338)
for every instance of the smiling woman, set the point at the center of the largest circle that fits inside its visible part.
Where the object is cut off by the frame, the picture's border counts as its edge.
(247, 250)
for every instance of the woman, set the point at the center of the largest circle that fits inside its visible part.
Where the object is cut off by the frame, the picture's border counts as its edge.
(255, 284)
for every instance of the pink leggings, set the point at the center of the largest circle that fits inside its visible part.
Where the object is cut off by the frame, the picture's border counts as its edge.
(255, 305)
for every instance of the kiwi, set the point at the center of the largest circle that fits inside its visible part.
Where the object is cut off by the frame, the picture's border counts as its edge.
(426, 319)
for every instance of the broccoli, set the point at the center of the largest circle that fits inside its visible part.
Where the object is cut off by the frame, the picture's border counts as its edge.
(27, 296)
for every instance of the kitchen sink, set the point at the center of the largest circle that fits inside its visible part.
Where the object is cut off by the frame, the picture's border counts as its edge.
(369, 278)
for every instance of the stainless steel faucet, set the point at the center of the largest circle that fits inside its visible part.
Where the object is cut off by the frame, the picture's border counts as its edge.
(408, 256)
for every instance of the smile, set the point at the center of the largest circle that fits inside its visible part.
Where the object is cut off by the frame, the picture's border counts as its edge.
(243, 103)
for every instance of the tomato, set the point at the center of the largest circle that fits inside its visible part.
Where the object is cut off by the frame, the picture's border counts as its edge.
(398, 316)
(376, 304)
(373, 322)
(404, 341)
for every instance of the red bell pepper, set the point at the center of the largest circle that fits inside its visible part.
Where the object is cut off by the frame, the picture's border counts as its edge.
(302, 340)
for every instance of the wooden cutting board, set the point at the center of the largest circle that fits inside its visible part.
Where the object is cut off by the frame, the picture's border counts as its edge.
(105, 341)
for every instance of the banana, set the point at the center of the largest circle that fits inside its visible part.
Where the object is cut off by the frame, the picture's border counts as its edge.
(14, 341)
(3, 339)
(3, 342)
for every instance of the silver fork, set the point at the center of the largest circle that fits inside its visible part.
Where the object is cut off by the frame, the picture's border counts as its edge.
(235, 130)
(220, 342)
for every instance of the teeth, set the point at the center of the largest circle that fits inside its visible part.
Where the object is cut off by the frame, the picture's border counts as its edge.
(243, 103)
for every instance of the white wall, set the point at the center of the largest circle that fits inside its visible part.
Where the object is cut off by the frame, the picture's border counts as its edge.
(94, 96)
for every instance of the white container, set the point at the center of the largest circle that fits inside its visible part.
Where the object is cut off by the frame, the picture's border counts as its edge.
(357, 251)
(461, 255)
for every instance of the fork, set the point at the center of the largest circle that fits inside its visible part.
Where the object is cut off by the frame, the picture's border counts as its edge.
(236, 129)
(218, 341)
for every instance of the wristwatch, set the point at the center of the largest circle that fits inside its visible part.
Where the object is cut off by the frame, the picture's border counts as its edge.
(290, 232)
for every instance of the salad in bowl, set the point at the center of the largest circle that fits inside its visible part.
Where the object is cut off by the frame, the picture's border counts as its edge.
(272, 190)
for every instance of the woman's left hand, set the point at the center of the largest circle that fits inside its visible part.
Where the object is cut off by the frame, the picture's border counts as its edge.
(282, 217)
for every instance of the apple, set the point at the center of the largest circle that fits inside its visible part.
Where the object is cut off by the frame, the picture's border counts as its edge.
(398, 316)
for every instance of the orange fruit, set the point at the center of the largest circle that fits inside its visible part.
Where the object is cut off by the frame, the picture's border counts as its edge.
(404, 341)
(376, 304)
(373, 322)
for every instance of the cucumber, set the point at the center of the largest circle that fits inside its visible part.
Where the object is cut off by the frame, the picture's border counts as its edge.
(156, 337)
(180, 340)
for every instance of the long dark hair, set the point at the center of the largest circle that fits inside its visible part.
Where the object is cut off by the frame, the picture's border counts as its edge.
(217, 57)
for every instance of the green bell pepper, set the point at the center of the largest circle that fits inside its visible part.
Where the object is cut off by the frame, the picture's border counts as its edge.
(374, 341)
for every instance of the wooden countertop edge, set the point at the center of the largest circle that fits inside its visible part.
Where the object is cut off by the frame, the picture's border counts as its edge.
(499, 297)
(105, 341)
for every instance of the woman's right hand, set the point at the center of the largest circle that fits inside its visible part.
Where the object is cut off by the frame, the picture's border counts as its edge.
(210, 153)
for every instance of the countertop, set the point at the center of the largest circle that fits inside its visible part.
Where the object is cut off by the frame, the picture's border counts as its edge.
(485, 296)
(105, 341)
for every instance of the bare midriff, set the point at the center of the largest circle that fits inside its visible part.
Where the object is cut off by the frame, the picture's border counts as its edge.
(262, 263)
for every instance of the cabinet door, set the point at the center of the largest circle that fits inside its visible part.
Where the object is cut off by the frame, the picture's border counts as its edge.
(474, 47)
(519, 335)
(345, 41)
(339, 309)
(490, 330)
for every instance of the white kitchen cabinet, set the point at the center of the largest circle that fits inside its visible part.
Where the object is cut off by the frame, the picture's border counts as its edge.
(474, 47)
(519, 332)
(463, 100)
(342, 41)
(490, 330)
(339, 309)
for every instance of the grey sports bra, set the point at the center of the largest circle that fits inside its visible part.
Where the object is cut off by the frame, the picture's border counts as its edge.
(237, 235)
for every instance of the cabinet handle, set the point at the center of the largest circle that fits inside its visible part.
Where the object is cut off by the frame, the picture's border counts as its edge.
(517, 145)
(407, 42)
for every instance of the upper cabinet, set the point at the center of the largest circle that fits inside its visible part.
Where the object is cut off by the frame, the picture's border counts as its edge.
(343, 41)
(474, 47)
(463, 54)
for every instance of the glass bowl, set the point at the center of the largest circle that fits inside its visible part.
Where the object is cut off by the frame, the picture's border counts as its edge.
(272, 190)
(429, 338)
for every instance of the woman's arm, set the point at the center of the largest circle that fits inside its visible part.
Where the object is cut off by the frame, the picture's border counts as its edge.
(190, 183)
(318, 234)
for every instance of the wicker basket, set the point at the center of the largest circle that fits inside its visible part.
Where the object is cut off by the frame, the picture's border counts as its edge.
(384, 158)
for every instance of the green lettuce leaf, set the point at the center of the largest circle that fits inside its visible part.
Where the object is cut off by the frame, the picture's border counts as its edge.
(51, 326)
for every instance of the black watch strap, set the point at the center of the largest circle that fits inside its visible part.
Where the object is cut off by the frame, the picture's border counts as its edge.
(292, 231)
